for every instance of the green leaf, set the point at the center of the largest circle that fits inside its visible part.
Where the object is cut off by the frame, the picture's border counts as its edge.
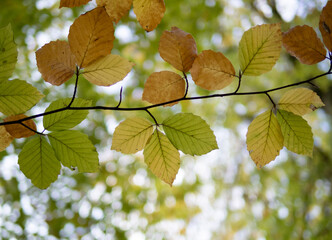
(190, 134)
(74, 149)
(38, 162)
(260, 49)
(8, 53)
(297, 133)
(162, 157)
(65, 119)
(131, 135)
(17, 96)
(264, 138)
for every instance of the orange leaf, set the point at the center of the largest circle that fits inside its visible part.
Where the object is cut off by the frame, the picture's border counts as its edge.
(116, 9)
(73, 3)
(55, 62)
(149, 13)
(163, 87)
(91, 36)
(325, 25)
(178, 48)
(18, 130)
(5, 138)
(302, 42)
(212, 70)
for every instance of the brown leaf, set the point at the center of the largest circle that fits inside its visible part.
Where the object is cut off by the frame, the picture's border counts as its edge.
(18, 130)
(73, 3)
(5, 138)
(163, 87)
(325, 25)
(55, 62)
(149, 13)
(116, 9)
(302, 42)
(178, 48)
(91, 36)
(212, 70)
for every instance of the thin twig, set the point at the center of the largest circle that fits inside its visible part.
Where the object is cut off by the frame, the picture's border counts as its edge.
(187, 85)
(75, 88)
(33, 130)
(120, 99)
(154, 119)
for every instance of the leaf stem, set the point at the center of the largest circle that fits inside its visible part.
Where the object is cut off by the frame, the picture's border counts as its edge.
(154, 119)
(187, 84)
(75, 88)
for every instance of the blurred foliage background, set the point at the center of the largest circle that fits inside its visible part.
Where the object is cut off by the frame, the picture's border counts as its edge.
(221, 195)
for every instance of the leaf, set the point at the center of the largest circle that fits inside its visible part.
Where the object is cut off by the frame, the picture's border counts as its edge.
(260, 49)
(5, 138)
(108, 70)
(300, 101)
(297, 133)
(65, 119)
(264, 138)
(190, 134)
(8, 53)
(325, 25)
(17, 96)
(302, 42)
(178, 48)
(20, 130)
(149, 13)
(38, 162)
(164, 86)
(132, 135)
(116, 9)
(74, 149)
(55, 62)
(91, 36)
(162, 157)
(212, 70)
(73, 3)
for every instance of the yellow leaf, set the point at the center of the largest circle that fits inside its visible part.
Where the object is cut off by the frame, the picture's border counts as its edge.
(162, 157)
(149, 12)
(260, 49)
(302, 42)
(264, 138)
(73, 3)
(300, 101)
(131, 135)
(163, 87)
(212, 70)
(116, 9)
(325, 25)
(18, 130)
(91, 36)
(178, 48)
(5, 138)
(107, 70)
(55, 62)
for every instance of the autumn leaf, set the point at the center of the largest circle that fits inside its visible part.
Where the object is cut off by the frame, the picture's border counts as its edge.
(55, 62)
(178, 48)
(91, 36)
(38, 162)
(302, 42)
(108, 70)
(260, 48)
(8, 53)
(190, 134)
(264, 138)
(297, 133)
(73, 3)
(20, 130)
(149, 13)
(132, 135)
(212, 70)
(162, 157)
(5, 138)
(116, 9)
(325, 25)
(163, 87)
(300, 101)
